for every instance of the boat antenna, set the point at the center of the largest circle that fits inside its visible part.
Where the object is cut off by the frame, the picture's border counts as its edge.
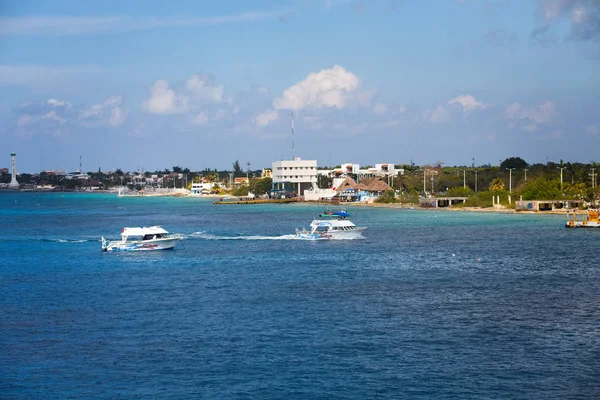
(293, 156)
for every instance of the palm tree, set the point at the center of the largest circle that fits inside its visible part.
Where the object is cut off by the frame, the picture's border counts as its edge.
(497, 185)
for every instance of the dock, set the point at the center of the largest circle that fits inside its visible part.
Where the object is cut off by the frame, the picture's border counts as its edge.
(256, 201)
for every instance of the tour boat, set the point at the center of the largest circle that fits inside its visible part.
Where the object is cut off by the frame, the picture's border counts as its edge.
(331, 225)
(142, 238)
(588, 220)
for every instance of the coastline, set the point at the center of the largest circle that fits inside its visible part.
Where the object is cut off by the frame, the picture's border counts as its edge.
(405, 206)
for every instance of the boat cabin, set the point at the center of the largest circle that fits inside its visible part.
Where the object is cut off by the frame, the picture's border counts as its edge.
(143, 233)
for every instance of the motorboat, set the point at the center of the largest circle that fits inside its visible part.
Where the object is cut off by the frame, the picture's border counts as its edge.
(142, 238)
(584, 219)
(331, 225)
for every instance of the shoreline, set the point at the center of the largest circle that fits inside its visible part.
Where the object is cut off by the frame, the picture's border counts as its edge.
(405, 206)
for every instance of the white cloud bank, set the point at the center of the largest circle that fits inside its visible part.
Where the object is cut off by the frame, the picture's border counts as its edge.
(329, 88)
(468, 103)
(530, 118)
(110, 110)
(199, 90)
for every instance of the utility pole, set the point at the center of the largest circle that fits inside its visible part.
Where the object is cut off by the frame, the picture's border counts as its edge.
(424, 189)
(464, 178)
(561, 176)
(510, 180)
(525, 169)
(593, 175)
(475, 181)
(432, 183)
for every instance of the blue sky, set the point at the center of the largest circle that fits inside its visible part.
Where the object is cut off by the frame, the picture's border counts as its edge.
(154, 84)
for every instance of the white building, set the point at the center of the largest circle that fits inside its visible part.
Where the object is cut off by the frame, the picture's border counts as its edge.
(201, 188)
(380, 171)
(297, 175)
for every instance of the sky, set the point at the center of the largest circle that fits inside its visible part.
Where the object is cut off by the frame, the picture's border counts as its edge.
(145, 86)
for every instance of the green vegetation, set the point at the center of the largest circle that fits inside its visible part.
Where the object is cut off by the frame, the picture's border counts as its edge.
(388, 197)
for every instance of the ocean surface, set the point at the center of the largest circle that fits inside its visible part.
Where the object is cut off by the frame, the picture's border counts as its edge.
(429, 305)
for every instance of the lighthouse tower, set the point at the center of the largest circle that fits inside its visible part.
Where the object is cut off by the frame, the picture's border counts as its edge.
(13, 180)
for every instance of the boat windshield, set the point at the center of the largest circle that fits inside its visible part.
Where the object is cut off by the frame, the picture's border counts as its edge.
(322, 228)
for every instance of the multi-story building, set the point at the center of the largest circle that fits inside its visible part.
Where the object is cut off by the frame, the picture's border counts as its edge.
(294, 176)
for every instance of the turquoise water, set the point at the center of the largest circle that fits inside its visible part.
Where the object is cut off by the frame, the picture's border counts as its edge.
(431, 304)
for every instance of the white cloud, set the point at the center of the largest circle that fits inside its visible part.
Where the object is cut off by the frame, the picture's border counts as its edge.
(332, 87)
(402, 109)
(380, 109)
(468, 103)
(438, 116)
(71, 26)
(266, 118)
(583, 15)
(201, 119)
(109, 110)
(53, 116)
(579, 15)
(164, 100)
(540, 114)
(117, 116)
(202, 88)
(552, 9)
(58, 103)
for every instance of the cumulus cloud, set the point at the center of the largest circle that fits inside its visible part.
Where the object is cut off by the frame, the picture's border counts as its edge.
(54, 117)
(203, 88)
(200, 119)
(540, 114)
(58, 103)
(332, 87)
(529, 118)
(164, 100)
(117, 116)
(583, 15)
(110, 110)
(439, 115)
(468, 103)
(266, 117)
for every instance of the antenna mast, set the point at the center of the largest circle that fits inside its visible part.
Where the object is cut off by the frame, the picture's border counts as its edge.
(293, 156)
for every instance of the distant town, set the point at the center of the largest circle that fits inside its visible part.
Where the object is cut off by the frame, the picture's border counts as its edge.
(561, 184)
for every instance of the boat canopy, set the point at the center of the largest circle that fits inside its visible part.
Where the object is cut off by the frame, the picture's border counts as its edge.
(142, 230)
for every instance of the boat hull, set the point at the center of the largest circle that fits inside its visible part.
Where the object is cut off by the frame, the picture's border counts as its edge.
(146, 245)
(338, 235)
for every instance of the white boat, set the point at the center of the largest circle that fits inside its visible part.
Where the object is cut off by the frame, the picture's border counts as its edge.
(142, 238)
(332, 225)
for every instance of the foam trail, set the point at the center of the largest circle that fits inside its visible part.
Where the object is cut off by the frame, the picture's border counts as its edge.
(208, 236)
(68, 240)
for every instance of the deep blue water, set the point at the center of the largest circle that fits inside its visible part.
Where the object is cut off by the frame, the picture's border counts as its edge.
(430, 305)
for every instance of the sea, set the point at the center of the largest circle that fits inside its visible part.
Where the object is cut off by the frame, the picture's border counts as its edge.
(430, 304)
